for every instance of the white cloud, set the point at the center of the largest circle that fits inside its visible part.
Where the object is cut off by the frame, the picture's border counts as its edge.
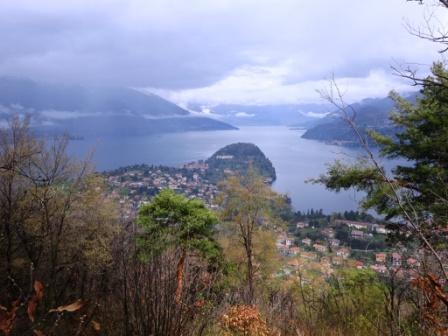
(222, 50)
(62, 115)
(244, 115)
(266, 85)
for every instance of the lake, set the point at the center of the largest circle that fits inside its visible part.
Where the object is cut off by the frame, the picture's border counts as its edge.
(295, 159)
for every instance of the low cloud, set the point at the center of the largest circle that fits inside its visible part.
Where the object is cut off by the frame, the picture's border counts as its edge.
(244, 115)
(252, 86)
(247, 51)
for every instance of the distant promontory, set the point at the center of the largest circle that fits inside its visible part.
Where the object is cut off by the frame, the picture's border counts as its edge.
(236, 159)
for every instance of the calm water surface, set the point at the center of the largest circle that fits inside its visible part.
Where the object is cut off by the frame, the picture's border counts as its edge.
(295, 159)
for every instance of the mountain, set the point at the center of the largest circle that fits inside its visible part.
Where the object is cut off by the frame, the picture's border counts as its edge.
(370, 114)
(299, 115)
(84, 111)
(236, 159)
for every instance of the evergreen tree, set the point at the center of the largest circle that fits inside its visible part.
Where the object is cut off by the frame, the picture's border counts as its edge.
(172, 221)
(417, 191)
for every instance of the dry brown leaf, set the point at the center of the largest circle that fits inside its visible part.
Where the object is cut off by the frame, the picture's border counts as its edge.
(38, 333)
(34, 300)
(7, 318)
(31, 309)
(39, 289)
(72, 307)
(96, 325)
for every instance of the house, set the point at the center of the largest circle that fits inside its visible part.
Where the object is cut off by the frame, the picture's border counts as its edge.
(380, 258)
(328, 232)
(355, 224)
(294, 250)
(357, 234)
(396, 259)
(379, 268)
(343, 252)
(359, 264)
(338, 260)
(302, 225)
(308, 255)
(334, 242)
(380, 229)
(320, 248)
(412, 262)
(306, 241)
(224, 157)
(284, 240)
(283, 250)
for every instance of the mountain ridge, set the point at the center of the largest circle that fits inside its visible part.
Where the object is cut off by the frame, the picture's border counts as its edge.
(370, 114)
(97, 110)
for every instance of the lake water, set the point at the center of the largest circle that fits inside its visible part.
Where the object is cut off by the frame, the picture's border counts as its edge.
(295, 159)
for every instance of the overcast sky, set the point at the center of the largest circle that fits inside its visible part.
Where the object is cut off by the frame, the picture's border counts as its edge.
(213, 51)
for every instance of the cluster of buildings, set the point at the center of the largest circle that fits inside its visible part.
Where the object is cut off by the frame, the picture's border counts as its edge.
(393, 261)
(328, 253)
(312, 255)
(136, 185)
(363, 227)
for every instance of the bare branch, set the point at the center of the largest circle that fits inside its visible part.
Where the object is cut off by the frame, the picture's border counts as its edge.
(335, 97)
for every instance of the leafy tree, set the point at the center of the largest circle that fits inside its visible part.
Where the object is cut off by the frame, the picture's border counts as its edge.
(57, 224)
(417, 189)
(247, 203)
(359, 295)
(172, 221)
(415, 192)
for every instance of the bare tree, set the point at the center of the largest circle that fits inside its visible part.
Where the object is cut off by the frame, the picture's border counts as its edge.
(56, 228)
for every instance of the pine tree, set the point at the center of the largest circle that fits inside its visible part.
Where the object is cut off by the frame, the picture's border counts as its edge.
(172, 221)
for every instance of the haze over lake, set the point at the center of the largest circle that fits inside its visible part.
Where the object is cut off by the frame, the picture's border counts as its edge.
(295, 159)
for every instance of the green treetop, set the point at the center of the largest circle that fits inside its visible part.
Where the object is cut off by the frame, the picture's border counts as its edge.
(174, 222)
(418, 185)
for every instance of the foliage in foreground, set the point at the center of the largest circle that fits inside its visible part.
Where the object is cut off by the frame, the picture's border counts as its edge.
(415, 194)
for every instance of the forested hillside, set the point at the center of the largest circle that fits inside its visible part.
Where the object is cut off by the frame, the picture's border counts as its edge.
(369, 115)
(236, 159)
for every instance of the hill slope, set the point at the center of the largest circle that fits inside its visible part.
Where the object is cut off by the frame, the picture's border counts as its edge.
(236, 158)
(99, 110)
(371, 114)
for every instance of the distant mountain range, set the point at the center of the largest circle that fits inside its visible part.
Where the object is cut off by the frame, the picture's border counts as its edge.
(297, 115)
(370, 114)
(85, 111)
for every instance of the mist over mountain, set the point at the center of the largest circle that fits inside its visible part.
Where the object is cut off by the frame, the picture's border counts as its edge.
(369, 114)
(82, 111)
(298, 115)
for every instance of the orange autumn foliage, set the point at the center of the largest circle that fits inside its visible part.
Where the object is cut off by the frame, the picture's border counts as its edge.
(244, 320)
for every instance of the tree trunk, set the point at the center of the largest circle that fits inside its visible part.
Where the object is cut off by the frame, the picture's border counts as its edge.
(180, 276)
(250, 273)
